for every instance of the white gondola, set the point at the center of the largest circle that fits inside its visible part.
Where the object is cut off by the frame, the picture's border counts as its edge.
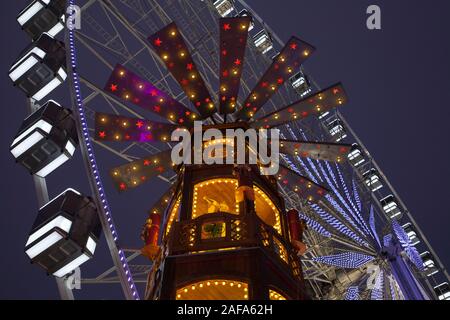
(428, 264)
(41, 68)
(390, 207)
(355, 156)
(443, 291)
(43, 16)
(337, 130)
(224, 7)
(263, 41)
(64, 234)
(46, 139)
(372, 180)
(411, 232)
(301, 84)
(245, 13)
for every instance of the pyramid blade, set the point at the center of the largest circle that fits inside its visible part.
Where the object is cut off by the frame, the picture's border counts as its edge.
(134, 174)
(128, 86)
(110, 127)
(302, 186)
(173, 51)
(316, 150)
(233, 41)
(316, 104)
(284, 66)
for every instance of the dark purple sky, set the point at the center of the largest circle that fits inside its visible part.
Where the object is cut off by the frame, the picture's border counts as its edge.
(397, 79)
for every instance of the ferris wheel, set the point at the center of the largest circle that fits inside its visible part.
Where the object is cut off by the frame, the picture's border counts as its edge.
(136, 71)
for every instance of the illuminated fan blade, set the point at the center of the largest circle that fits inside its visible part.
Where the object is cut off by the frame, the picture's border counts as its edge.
(128, 86)
(160, 206)
(347, 260)
(301, 185)
(173, 51)
(233, 41)
(135, 173)
(315, 150)
(109, 127)
(316, 104)
(294, 53)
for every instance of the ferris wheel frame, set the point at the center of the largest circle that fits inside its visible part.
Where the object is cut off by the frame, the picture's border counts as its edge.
(125, 277)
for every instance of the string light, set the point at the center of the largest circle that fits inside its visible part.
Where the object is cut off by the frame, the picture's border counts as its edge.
(123, 267)
(239, 288)
(347, 260)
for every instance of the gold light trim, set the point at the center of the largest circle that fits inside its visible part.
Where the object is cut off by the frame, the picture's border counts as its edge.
(214, 289)
(172, 215)
(273, 295)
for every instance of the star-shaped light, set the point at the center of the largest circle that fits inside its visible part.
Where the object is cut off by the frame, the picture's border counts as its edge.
(113, 87)
(158, 42)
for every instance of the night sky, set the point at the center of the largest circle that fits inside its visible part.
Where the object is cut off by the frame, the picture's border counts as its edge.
(397, 80)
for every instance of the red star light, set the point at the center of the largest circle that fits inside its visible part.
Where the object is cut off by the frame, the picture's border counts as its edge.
(122, 186)
(237, 62)
(102, 134)
(139, 124)
(157, 108)
(280, 80)
(158, 42)
(146, 162)
(113, 87)
(189, 66)
(226, 26)
(153, 93)
(293, 46)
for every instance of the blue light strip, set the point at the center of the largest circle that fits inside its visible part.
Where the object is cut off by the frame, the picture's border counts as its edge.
(352, 293)
(356, 195)
(315, 226)
(92, 160)
(372, 226)
(356, 214)
(330, 170)
(344, 186)
(346, 260)
(377, 292)
(336, 224)
(405, 242)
